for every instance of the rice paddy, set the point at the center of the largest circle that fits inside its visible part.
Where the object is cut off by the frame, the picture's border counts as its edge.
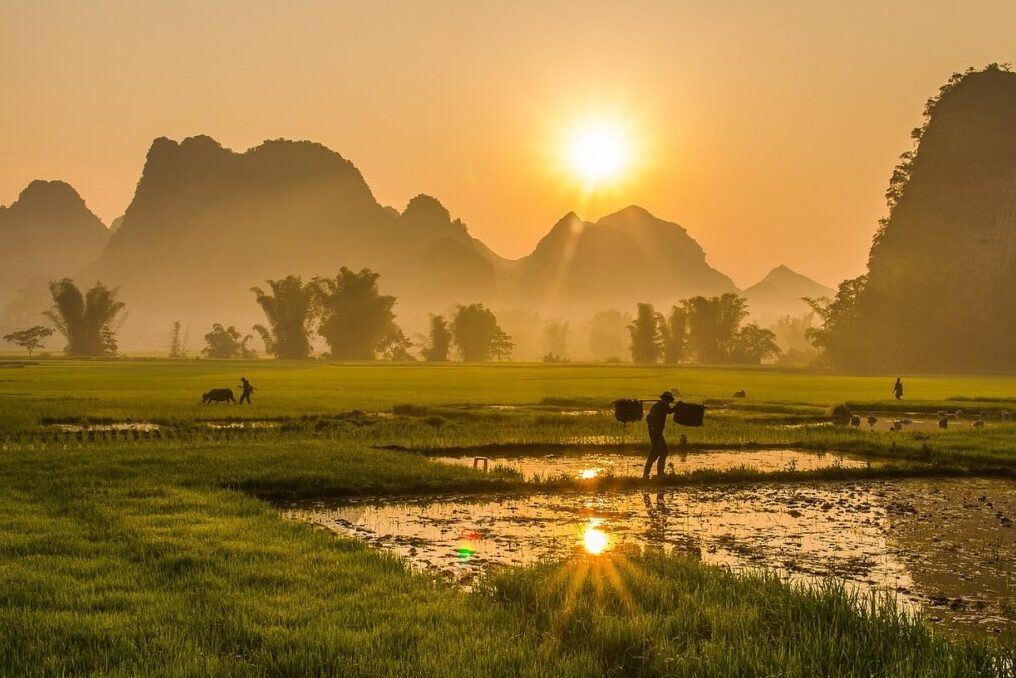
(143, 532)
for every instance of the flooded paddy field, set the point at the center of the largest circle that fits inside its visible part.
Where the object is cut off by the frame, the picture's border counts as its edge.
(597, 464)
(944, 547)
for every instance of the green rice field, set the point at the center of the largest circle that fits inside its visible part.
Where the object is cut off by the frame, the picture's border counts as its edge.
(142, 532)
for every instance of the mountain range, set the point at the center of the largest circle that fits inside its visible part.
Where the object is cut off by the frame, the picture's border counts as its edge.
(207, 223)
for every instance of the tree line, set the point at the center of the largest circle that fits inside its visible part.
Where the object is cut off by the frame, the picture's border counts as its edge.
(706, 330)
(357, 322)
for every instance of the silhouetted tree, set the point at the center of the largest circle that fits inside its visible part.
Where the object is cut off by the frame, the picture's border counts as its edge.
(501, 346)
(713, 325)
(674, 335)
(30, 339)
(175, 347)
(475, 330)
(439, 342)
(752, 345)
(607, 331)
(357, 321)
(396, 346)
(645, 335)
(290, 310)
(85, 320)
(226, 343)
(840, 336)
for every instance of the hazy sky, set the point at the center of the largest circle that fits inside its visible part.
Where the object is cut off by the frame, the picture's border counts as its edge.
(767, 129)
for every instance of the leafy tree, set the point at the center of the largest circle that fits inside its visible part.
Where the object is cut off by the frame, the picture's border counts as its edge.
(86, 320)
(30, 339)
(396, 346)
(290, 310)
(357, 321)
(476, 330)
(646, 341)
(752, 345)
(840, 336)
(713, 324)
(440, 340)
(501, 346)
(674, 335)
(226, 343)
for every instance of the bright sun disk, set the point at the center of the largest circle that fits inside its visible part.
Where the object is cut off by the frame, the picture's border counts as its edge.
(598, 152)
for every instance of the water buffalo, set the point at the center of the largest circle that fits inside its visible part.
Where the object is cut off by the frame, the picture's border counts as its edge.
(218, 395)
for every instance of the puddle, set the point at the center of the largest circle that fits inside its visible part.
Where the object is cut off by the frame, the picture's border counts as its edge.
(946, 547)
(123, 426)
(245, 425)
(927, 421)
(594, 465)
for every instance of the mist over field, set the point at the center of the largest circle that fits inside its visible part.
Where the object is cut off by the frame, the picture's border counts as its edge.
(207, 224)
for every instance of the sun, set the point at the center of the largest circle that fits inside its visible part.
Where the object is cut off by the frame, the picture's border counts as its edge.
(598, 152)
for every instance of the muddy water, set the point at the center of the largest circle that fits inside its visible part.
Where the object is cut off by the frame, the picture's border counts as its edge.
(241, 425)
(594, 465)
(118, 427)
(946, 547)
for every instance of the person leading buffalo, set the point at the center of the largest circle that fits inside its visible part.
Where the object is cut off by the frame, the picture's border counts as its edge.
(656, 420)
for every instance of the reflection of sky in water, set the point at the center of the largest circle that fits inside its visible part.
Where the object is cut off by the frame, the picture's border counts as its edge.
(850, 531)
(593, 465)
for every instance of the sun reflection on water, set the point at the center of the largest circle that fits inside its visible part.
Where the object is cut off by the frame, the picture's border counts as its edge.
(588, 473)
(594, 539)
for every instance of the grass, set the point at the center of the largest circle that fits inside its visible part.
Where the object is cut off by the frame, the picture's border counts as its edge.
(125, 557)
(651, 614)
(170, 390)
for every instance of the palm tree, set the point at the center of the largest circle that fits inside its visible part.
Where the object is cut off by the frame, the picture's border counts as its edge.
(290, 309)
(85, 320)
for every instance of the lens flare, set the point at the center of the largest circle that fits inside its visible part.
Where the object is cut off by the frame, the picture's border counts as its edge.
(468, 545)
(594, 539)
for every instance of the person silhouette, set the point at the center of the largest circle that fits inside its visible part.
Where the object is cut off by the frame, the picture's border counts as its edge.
(898, 388)
(656, 420)
(246, 389)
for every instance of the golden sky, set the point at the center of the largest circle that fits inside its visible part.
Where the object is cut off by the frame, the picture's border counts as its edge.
(768, 129)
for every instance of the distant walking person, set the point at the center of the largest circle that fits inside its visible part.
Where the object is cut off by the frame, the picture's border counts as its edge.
(246, 390)
(656, 420)
(898, 388)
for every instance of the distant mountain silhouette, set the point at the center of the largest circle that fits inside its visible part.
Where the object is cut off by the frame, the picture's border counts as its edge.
(779, 293)
(623, 258)
(207, 223)
(940, 293)
(47, 233)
